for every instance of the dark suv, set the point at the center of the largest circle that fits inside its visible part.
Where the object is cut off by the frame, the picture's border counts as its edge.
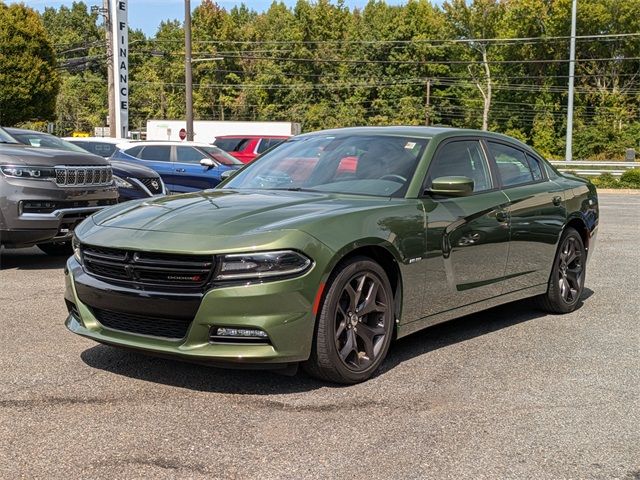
(45, 193)
(133, 181)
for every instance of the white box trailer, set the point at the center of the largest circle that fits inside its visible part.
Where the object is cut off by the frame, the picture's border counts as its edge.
(207, 131)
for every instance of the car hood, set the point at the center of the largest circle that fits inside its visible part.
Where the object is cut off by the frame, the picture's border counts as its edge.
(46, 157)
(126, 169)
(232, 212)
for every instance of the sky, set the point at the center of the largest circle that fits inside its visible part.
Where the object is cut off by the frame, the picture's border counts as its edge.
(147, 14)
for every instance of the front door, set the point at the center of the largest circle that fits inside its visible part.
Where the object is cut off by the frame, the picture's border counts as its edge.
(467, 237)
(192, 175)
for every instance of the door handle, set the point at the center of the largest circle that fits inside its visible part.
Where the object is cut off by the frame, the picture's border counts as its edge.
(501, 216)
(180, 170)
(557, 200)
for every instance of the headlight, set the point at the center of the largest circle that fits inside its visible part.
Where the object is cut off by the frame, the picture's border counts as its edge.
(75, 244)
(262, 265)
(121, 182)
(38, 173)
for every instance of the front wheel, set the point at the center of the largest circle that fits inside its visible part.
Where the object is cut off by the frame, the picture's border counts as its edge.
(355, 324)
(56, 249)
(567, 276)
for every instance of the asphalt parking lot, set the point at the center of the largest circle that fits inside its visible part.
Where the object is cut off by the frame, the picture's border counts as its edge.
(508, 393)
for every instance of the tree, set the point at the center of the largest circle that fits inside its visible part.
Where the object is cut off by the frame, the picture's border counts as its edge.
(478, 21)
(29, 81)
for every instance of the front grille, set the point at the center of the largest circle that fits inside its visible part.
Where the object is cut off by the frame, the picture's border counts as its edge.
(146, 268)
(83, 176)
(39, 206)
(173, 328)
(153, 184)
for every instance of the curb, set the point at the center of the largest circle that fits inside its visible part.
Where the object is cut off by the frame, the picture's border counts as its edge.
(621, 191)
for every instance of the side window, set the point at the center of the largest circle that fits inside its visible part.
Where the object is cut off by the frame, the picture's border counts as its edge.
(267, 143)
(463, 158)
(262, 146)
(242, 144)
(512, 164)
(536, 170)
(157, 153)
(189, 155)
(134, 152)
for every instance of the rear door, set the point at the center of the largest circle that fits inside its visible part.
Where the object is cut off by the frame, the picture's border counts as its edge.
(536, 212)
(158, 158)
(467, 237)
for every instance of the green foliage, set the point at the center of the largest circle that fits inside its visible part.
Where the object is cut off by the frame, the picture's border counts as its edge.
(605, 180)
(321, 64)
(29, 81)
(631, 178)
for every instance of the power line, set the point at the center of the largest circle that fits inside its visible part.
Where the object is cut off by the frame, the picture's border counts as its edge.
(416, 41)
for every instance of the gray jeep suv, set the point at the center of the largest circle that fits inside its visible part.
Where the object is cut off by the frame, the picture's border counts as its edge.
(45, 193)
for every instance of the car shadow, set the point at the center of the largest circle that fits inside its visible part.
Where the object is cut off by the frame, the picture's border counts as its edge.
(264, 382)
(29, 259)
(466, 328)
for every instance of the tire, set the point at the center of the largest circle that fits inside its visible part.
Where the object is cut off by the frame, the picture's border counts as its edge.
(56, 249)
(567, 275)
(354, 328)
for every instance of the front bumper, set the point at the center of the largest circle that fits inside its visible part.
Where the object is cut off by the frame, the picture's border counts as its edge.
(283, 309)
(21, 228)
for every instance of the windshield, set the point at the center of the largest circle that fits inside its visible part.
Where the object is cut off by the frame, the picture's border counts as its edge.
(221, 156)
(6, 138)
(45, 140)
(380, 165)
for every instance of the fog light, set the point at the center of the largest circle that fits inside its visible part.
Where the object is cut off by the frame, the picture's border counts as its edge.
(240, 332)
(238, 335)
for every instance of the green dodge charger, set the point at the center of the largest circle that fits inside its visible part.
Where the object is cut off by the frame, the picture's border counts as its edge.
(330, 246)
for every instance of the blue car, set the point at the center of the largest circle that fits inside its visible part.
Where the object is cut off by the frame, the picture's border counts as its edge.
(184, 166)
(133, 181)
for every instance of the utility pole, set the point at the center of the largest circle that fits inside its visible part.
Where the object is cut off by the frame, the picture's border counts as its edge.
(105, 12)
(188, 79)
(428, 104)
(572, 69)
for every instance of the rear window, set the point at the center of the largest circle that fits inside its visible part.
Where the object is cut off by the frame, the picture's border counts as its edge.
(267, 143)
(229, 144)
(103, 149)
(134, 152)
(156, 153)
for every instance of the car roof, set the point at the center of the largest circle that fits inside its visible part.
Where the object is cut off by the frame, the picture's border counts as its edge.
(416, 131)
(111, 140)
(23, 130)
(252, 136)
(147, 143)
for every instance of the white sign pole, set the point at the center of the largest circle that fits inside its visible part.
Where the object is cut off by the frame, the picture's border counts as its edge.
(120, 38)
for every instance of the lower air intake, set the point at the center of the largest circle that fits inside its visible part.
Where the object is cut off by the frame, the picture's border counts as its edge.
(170, 328)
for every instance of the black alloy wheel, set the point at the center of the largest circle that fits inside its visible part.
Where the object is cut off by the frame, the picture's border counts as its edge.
(355, 324)
(570, 270)
(360, 321)
(567, 277)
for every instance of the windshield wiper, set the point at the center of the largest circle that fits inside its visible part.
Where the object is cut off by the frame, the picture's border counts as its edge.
(295, 189)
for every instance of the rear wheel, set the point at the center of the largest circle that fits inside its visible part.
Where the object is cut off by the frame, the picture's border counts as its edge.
(567, 276)
(355, 325)
(56, 249)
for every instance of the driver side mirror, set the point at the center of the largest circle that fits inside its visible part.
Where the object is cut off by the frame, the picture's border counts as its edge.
(453, 186)
(227, 173)
(207, 162)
